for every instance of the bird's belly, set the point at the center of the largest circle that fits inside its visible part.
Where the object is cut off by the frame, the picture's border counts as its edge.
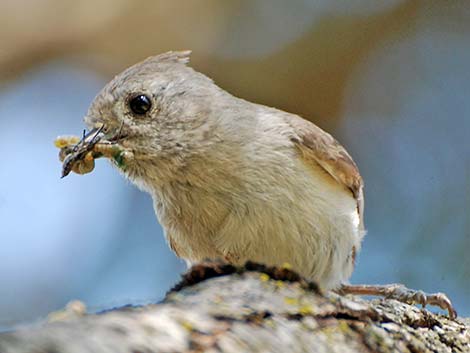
(317, 248)
(311, 225)
(313, 232)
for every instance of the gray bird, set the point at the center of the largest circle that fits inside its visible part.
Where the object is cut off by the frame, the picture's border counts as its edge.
(231, 179)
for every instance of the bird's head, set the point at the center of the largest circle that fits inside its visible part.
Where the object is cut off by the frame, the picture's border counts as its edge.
(161, 110)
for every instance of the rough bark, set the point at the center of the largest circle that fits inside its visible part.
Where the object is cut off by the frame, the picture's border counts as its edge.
(221, 308)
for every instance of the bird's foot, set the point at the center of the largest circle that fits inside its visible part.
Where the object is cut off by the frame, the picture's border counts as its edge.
(401, 293)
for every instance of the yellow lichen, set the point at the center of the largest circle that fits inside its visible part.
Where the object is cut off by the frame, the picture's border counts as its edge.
(264, 277)
(291, 301)
(287, 265)
(343, 326)
(187, 325)
(305, 310)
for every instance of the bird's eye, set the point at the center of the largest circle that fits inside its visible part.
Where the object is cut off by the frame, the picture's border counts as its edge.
(140, 104)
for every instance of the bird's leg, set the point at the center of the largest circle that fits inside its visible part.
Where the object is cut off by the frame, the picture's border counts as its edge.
(401, 293)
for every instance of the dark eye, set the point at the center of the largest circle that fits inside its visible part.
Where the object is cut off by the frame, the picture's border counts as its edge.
(140, 104)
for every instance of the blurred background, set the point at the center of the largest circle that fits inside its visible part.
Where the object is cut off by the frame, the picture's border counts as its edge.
(390, 79)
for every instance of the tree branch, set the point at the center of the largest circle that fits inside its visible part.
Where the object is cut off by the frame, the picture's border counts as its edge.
(222, 308)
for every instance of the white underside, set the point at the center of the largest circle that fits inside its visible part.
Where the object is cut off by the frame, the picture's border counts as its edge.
(311, 224)
(312, 228)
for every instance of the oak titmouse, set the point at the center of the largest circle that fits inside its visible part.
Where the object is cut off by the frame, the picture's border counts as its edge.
(232, 179)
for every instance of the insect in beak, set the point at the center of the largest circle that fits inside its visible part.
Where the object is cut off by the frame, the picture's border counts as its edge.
(77, 152)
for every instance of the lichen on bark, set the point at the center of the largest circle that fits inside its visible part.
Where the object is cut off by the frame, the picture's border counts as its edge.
(222, 308)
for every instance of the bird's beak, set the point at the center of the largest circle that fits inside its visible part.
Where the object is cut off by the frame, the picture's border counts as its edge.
(93, 132)
(105, 133)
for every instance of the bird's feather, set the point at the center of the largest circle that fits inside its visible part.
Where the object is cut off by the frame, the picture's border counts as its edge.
(319, 147)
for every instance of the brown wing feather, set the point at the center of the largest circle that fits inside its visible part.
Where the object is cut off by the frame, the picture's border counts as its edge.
(319, 147)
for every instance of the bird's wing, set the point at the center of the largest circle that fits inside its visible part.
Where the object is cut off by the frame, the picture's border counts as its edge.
(317, 146)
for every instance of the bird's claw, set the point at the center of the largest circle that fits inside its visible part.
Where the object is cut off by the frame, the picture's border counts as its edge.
(410, 296)
(405, 295)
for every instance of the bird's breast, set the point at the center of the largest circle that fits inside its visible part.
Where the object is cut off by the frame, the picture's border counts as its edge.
(290, 215)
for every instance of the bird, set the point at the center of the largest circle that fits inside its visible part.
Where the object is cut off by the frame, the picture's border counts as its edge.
(233, 180)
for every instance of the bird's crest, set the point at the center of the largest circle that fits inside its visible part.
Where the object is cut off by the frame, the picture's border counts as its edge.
(172, 56)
